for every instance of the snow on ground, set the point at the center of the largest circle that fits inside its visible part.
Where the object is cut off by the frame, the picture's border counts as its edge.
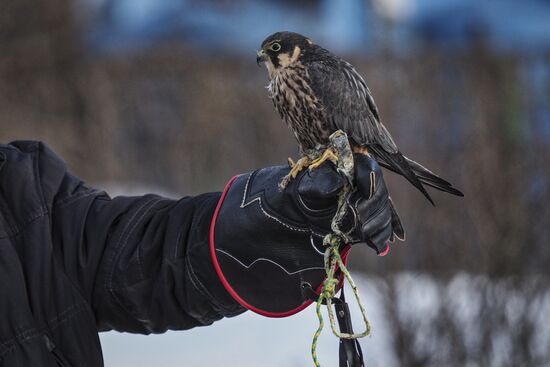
(249, 340)
(253, 340)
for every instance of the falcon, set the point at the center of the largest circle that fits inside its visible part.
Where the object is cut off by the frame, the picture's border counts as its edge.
(317, 93)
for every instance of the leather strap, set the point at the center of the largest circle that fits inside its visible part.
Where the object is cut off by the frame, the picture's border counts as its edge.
(350, 352)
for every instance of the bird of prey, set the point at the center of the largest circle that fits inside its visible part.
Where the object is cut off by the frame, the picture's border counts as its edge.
(317, 93)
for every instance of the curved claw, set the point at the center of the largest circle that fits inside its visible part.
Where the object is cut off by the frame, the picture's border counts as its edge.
(296, 168)
(328, 155)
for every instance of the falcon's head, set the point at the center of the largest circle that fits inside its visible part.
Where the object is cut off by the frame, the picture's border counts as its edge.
(284, 49)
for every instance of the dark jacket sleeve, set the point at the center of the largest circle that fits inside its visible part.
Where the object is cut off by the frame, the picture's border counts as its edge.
(142, 262)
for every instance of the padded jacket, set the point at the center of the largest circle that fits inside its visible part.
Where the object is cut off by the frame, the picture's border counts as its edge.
(74, 261)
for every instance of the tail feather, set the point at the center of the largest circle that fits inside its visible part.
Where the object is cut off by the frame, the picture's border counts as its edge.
(396, 162)
(431, 179)
(414, 172)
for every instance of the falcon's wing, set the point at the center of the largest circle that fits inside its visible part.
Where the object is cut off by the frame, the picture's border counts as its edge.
(348, 103)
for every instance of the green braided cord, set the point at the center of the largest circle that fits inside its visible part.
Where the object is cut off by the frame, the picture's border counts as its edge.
(332, 258)
(327, 292)
(335, 331)
(318, 332)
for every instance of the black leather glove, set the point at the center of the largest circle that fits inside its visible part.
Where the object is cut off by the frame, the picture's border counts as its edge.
(267, 243)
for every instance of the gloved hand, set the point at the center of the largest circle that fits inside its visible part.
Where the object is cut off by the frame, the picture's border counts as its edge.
(266, 243)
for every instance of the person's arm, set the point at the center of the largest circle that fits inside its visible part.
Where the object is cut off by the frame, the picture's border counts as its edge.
(156, 272)
(143, 263)
(148, 264)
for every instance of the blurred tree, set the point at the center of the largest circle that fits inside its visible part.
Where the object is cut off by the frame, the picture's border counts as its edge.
(40, 70)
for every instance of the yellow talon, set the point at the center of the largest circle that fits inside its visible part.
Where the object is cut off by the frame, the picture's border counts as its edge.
(328, 155)
(299, 166)
(295, 169)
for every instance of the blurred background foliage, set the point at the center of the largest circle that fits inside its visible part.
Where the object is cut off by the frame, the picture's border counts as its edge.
(166, 94)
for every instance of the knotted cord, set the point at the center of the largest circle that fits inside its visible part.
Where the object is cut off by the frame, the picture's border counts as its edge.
(334, 242)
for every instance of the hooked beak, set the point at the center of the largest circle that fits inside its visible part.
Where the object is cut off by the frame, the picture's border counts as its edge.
(261, 56)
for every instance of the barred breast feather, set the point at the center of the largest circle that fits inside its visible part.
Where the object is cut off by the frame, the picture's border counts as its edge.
(298, 106)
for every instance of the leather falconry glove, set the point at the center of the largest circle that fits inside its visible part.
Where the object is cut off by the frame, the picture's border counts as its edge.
(265, 243)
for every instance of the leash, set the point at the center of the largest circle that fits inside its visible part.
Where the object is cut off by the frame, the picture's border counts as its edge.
(350, 354)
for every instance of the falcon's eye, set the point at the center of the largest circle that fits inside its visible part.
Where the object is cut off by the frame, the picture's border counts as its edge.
(275, 47)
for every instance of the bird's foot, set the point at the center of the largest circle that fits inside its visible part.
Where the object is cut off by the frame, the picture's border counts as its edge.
(361, 150)
(296, 168)
(328, 155)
